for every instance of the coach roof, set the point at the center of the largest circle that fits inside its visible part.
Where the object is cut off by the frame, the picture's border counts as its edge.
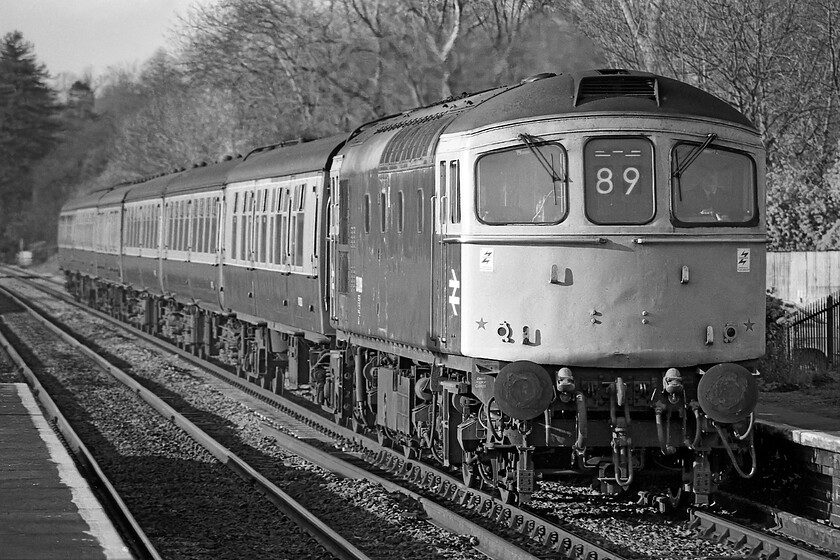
(203, 176)
(283, 160)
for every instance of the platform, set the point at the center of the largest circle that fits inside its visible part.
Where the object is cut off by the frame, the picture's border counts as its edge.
(47, 510)
(803, 428)
(812, 446)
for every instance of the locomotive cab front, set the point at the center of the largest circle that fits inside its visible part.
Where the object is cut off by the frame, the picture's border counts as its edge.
(605, 269)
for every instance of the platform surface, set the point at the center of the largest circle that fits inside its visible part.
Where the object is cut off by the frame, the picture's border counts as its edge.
(47, 510)
(811, 430)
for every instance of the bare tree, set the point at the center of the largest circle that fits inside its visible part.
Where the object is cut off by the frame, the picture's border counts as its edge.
(627, 30)
(775, 60)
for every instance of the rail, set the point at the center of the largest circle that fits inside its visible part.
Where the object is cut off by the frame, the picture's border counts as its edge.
(564, 543)
(328, 538)
(140, 544)
(561, 541)
(757, 545)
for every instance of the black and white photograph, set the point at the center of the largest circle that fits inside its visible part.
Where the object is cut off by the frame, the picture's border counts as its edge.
(419, 279)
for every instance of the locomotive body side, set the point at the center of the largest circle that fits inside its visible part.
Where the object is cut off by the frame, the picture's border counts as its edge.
(385, 207)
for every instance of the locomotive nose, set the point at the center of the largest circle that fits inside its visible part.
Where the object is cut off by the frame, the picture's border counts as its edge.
(727, 393)
(523, 390)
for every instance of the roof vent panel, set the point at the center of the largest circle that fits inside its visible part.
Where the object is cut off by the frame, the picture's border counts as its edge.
(592, 88)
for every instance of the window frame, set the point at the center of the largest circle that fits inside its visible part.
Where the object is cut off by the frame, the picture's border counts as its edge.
(676, 221)
(516, 147)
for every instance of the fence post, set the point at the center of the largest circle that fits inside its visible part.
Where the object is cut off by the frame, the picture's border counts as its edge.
(829, 327)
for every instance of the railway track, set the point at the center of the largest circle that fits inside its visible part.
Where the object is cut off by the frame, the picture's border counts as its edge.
(331, 542)
(550, 537)
(139, 543)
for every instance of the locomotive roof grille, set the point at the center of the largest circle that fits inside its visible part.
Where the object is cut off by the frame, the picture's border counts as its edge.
(416, 142)
(592, 88)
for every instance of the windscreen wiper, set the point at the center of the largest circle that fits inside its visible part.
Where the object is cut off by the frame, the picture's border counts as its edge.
(694, 154)
(531, 142)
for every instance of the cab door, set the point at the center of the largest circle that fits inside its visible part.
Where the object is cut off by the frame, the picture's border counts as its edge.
(446, 256)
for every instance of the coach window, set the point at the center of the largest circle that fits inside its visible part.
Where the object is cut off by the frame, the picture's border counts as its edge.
(234, 228)
(273, 218)
(244, 227)
(135, 229)
(205, 230)
(155, 228)
(279, 237)
(170, 225)
(186, 210)
(129, 227)
(140, 225)
(195, 229)
(261, 224)
(618, 180)
(285, 206)
(173, 240)
(176, 241)
(204, 221)
(173, 222)
(712, 186)
(214, 226)
(523, 185)
(297, 223)
(146, 217)
(203, 238)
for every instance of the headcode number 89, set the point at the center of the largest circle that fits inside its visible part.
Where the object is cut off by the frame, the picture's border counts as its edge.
(605, 184)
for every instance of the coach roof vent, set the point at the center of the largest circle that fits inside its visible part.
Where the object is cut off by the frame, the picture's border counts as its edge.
(616, 83)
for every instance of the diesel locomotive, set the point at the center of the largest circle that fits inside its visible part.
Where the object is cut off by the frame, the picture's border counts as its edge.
(565, 275)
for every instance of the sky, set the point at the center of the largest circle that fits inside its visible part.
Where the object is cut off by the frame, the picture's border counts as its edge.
(78, 36)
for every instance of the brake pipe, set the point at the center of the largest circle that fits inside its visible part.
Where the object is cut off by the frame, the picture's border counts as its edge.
(731, 454)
